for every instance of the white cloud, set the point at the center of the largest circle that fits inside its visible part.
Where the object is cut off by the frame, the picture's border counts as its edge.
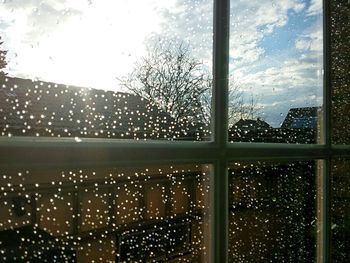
(284, 80)
(78, 42)
(315, 8)
(82, 43)
(191, 21)
(290, 74)
(311, 39)
(251, 21)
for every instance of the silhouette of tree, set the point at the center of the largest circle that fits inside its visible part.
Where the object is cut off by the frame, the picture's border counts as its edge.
(170, 78)
(176, 82)
(3, 62)
(239, 106)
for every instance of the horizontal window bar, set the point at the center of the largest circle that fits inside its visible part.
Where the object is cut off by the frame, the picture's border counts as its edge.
(261, 151)
(46, 152)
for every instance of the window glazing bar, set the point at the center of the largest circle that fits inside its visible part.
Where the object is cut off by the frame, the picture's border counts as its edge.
(324, 256)
(327, 83)
(219, 204)
(220, 72)
(219, 216)
(327, 131)
(24, 153)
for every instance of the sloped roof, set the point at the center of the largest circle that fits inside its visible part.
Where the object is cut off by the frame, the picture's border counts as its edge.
(260, 131)
(38, 108)
(248, 124)
(300, 118)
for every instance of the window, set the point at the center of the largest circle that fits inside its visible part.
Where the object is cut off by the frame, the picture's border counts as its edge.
(156, 174)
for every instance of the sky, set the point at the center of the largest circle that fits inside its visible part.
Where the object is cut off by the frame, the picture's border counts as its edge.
(275, 45)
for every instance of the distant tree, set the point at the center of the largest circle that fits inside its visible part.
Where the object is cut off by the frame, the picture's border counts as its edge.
(170, 78)
(3, 62)
(239, 106)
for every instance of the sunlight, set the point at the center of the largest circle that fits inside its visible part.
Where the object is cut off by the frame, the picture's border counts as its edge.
(94, 49)
(91, 48)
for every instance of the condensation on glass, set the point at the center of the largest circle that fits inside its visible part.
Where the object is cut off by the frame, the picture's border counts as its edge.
(273, 211)
(126, 214)
(340, 71)
(340, 210)
(276, 71)
(124, 70)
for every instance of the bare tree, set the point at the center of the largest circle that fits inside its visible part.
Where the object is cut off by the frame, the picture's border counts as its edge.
(170, 78)
(239, 106)
(3, 62)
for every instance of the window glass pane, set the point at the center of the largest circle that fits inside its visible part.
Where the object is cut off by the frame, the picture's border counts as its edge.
(340, 76)
(340, 210)
(106, 69)
(272, 212)
(276, 71)
(124, 214)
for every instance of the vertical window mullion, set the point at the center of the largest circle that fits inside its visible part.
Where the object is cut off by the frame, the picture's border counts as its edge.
(326, 131)
(326, 216)
(220, 72)
(219, 215)
(219, 197)
(327, 92)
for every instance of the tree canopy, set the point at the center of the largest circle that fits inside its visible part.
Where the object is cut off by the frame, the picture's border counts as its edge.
(169, 77)
(3, 62)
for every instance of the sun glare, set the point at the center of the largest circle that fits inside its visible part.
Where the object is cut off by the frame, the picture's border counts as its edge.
(93, 47)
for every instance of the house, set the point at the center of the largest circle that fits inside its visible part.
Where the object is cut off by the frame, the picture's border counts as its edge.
(249, 130)
(302, 118)
(37, 108)
(250, 125)
(300, 126)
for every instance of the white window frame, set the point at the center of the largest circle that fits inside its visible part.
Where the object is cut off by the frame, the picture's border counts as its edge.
(39, 153)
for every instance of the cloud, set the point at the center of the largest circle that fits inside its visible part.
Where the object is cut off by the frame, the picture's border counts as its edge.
(35, 17)
(315, 8)
(191, 22)
(91, 42)
(311, 39)
(290, 73)
(287, 80)
(25, 25)
(251, 21)
(78, 42)
(292, 83)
